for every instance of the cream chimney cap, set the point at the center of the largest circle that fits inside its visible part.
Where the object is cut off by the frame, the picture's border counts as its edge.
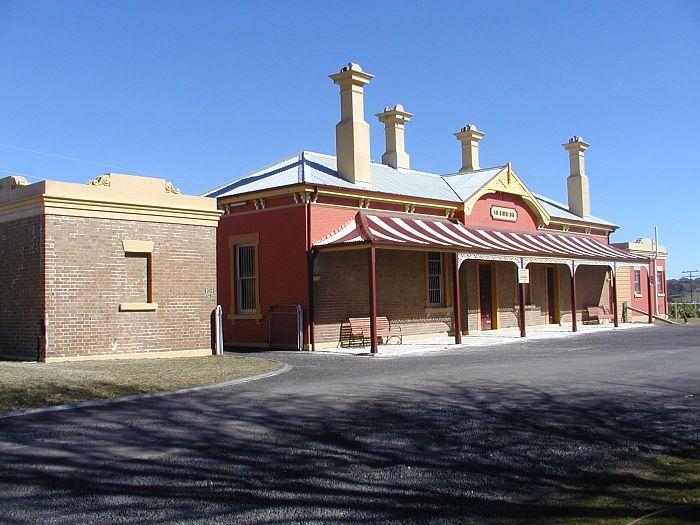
(469, 132)
(352, 74)
(575, 143)
(395, 113)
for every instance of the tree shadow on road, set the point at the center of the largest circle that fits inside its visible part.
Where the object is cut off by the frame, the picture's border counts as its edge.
(477, 453)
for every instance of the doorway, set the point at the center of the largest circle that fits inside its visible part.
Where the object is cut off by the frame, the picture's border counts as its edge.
(486, 297)
(553, 316)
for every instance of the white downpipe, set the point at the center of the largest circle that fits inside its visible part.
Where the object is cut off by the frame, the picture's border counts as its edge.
(656, 272)
(219, 331)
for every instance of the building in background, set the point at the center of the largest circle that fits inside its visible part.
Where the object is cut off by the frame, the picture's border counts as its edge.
(643, 287)
(340, 237)
(123, 266)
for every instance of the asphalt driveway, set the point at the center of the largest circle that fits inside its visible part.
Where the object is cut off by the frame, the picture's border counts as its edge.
(475, 436)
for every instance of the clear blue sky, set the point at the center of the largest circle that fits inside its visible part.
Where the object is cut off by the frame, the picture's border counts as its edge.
(202, 92)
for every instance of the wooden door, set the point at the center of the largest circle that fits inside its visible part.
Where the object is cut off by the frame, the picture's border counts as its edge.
(485, 296)
(552, 296)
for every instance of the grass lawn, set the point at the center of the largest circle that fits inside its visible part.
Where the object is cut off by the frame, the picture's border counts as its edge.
(29, 385)
(666, 482)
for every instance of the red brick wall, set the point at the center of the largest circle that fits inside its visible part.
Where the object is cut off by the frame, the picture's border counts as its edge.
(342, 292)
(21, 288)
(88, 275)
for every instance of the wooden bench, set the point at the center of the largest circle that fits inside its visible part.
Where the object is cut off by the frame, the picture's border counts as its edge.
(360, 330)
(598, 313)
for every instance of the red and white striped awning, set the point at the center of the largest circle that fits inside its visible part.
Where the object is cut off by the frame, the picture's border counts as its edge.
(437, 234)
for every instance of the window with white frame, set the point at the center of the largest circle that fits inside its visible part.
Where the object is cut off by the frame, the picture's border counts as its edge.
(246, 296)
(661, 282)
(638, 282)
(436, 297)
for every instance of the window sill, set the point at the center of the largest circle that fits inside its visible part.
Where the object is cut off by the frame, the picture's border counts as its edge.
(138, 307)
(661, 294)
(637, 295)
(438, 310)
(240, 317)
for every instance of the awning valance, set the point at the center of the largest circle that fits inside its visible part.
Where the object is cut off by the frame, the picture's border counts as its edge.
(443, 234)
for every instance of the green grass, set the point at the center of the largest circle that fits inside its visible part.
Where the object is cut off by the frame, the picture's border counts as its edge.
(691, 320)
(666, 482)
(29, 385)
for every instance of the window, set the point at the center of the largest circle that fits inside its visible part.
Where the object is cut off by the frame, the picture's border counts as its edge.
(138, 285)
(435, 280)
(660, 283)
(637, 282)
(245, 284)
(246, 302)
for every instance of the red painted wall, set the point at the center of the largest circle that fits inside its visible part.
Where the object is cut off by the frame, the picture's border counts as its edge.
(326, 220)
(481, 213)
(282, 267)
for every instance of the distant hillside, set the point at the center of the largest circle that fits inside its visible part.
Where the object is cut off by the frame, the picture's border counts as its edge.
(679, 290)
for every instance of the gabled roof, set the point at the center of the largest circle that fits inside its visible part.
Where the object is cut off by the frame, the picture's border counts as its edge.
(467, 184)
(308, 167)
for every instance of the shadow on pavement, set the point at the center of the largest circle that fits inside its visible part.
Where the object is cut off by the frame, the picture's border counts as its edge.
(476, 453)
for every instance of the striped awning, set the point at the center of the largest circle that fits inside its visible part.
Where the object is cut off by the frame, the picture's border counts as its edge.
(442, 234)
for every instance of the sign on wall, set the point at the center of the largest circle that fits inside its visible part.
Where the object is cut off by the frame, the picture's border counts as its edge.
(501, 213)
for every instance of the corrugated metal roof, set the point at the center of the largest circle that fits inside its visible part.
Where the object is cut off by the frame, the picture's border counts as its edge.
(561, 211)
(467, 184)
(317, 168)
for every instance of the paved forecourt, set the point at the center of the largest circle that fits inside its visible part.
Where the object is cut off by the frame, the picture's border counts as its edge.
(477, 436)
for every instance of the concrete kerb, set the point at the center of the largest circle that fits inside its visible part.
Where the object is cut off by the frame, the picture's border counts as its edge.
(474, 342)
(137, 397)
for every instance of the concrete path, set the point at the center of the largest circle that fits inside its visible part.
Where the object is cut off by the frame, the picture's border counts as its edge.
(496, 435)
(477, 340)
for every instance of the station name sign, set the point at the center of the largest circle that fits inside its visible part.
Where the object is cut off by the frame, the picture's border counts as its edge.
(501, 213)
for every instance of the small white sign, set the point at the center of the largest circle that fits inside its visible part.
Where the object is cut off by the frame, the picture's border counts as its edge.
(524, 276)
(501, 213)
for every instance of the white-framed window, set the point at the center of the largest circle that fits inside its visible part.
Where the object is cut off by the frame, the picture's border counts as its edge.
(661, 282)
(246, 279)
(436, 296)
(638, 282)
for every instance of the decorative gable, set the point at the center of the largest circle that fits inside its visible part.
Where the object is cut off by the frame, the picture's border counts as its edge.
(506, 181)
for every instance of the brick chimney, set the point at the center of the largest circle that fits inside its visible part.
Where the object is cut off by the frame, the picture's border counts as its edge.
(394, 120)
(352, 132)
(577, 181)
(470, 137)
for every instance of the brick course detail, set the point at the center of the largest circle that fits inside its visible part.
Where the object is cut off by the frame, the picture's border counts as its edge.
(88, 275)
(22, 288)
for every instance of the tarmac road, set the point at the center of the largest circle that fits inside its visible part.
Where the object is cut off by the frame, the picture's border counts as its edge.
(490, 435)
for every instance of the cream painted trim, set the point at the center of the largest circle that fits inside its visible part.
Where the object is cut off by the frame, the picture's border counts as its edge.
(440, 310)
(111, 196)
(506, 181)
(138, 307)
(154, 354)
(281, 191)
(138, 246)
(263, 210)
(360, 194)
(245, 317)
(597, 227)
(373, 197)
